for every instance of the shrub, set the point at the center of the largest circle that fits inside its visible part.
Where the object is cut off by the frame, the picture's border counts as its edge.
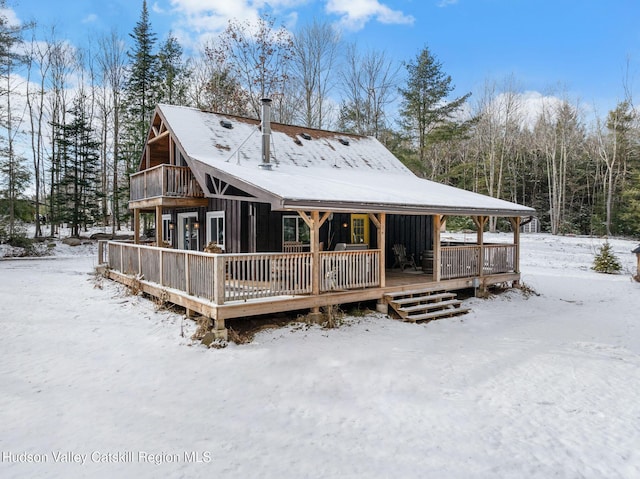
(605, 261)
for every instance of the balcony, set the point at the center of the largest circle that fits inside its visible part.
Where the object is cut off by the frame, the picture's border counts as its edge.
(165, 185)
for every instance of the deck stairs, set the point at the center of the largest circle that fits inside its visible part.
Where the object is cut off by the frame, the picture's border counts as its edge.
(424, 305)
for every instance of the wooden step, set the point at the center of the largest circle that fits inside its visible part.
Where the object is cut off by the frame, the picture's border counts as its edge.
(413, 292)
(431, 306)
(443, 313)
(415, 299)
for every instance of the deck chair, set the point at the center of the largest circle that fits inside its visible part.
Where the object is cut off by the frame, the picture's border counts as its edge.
(402, 259)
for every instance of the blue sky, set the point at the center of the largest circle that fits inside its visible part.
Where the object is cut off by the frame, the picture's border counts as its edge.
(581, 47)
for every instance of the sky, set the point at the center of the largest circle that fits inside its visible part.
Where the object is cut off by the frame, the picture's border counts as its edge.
(581, 49)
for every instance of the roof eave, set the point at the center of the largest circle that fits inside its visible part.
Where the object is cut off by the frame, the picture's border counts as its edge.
(293, 204)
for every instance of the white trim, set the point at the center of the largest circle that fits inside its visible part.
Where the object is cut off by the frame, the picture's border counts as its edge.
(181, 231)
(167, 233)
(216, 214)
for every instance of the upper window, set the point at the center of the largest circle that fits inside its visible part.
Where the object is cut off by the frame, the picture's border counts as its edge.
(295, 229)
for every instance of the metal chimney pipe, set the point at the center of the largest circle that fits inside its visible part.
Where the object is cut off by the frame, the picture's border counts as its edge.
(265, 126)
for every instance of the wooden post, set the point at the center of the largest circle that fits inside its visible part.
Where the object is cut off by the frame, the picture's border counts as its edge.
(515, 225)
(315, 250)
(219, 279)
(480, 222)
(379, 221)
(436, 247)
(158, 225)
(136, 226)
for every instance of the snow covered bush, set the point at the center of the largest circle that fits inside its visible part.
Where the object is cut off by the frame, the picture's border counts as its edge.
(605, 261)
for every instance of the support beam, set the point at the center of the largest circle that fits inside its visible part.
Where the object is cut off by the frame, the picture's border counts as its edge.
(136, 226)
(381, 225)
(315, 251)
(437, 260)
(515, 225)
(159, 226)
(158, 137)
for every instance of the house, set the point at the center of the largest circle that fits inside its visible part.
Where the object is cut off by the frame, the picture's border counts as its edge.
(302, 219)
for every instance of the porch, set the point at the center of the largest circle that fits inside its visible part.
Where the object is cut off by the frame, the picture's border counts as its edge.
(226, 286)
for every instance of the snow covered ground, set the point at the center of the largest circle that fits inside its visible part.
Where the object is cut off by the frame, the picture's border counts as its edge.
(98, 383)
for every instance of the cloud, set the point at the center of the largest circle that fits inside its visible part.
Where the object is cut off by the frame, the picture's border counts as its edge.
(446, 3)
(10, 15)
(356, 13)
(157, 8)
(91, 18)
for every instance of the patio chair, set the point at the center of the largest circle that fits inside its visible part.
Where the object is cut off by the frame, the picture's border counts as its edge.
(402, 259)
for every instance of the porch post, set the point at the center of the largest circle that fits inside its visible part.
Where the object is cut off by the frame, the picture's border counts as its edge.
(315, 262)
(136, 226)
(382, 240)
(480, 222)
(158, 225)
(436, 247)
(315, 250)
(515, 225)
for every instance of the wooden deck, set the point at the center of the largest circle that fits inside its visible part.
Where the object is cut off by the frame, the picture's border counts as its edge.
(225, 286)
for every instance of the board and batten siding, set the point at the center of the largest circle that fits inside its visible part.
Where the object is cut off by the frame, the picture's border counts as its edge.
(414, 232)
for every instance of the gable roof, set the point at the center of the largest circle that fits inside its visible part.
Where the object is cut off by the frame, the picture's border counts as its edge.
(331, 171)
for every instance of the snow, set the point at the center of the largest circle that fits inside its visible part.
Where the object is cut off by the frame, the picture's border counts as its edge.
(320, 169)
(535, 386)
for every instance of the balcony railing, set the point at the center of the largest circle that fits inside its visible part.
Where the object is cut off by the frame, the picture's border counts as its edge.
(164, 180)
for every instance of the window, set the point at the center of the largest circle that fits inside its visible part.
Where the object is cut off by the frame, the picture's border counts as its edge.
(295, 229)
(167, 230)
(215, 228)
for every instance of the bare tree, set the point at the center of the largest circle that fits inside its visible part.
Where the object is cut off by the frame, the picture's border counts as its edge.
(257, 54)
(38, 58)
(499, 122)
(614, 150)
(214, 85)
(315, 49)
(368, 83)
(112, 59)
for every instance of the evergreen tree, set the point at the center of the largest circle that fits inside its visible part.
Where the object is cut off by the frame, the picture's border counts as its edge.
(140, 98)
(78, 191)
(173, 73)
(606, 261)
(425, 111)
(14, 175)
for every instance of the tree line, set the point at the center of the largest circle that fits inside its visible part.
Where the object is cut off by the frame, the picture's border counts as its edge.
(74, 121)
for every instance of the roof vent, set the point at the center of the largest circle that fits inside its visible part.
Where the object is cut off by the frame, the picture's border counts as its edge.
(344, 141)
(226, 124)
(306, 136)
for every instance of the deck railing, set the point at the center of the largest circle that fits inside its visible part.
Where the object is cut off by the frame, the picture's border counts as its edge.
(341, 270)
(464, 261)
(240, 277)
(164, 180)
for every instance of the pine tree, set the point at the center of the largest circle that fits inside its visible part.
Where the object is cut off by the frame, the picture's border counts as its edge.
(141, 91)
(14, 174)
(606, 261)
(77, 195)
(424, 108)
(173, 73)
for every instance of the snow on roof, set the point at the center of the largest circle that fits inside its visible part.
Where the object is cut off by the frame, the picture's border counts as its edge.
(329, 167)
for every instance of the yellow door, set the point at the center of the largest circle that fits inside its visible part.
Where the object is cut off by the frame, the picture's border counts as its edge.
(360, 228)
